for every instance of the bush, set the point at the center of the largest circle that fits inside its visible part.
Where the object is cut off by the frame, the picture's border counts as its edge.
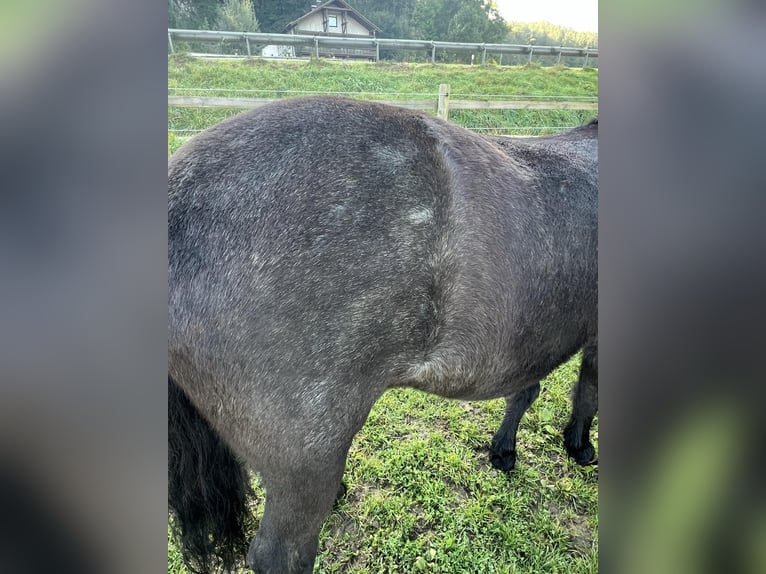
(237, 16)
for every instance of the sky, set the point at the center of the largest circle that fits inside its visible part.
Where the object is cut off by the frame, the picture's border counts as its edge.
(581, 15)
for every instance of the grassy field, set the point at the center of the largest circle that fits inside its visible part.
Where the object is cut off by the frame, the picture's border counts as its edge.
(190, 76)
(422, 496)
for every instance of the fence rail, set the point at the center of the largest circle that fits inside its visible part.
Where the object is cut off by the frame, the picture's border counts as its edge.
(317, 43)
(442, 103)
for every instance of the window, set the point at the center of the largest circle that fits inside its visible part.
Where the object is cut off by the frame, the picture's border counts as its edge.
(333, 21)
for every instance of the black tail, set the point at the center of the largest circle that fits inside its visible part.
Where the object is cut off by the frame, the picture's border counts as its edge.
(208, 489)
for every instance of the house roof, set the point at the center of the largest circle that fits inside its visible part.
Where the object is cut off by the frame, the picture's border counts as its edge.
(340, 4)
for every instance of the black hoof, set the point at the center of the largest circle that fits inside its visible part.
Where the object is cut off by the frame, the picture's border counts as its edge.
(583, 456)
(342, 490)
(503, 460)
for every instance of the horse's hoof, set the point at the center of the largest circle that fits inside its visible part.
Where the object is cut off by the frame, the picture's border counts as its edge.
(583, 456)
(503, 460)
(342, 490)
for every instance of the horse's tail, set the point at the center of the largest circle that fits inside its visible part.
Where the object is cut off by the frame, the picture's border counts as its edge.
(208, 489)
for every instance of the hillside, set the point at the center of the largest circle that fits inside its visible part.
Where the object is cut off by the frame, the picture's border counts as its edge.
(270, 79)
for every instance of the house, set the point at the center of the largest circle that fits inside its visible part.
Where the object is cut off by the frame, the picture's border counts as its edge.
(335, 19)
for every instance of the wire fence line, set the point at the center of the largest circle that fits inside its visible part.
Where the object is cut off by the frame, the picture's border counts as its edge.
(375, 93)
(472, 128)
(441, 102)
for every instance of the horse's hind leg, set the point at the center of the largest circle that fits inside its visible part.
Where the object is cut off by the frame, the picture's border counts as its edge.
(584, 408)
(502, 453)
(298, 499)
(301, 466)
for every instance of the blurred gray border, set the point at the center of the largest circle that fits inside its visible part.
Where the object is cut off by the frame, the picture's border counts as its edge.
(681, 283)
(83, 288)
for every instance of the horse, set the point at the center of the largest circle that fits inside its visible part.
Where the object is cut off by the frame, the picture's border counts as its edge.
(324, 250)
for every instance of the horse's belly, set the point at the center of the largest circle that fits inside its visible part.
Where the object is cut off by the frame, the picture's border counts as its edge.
(464, 381)
(478, 364)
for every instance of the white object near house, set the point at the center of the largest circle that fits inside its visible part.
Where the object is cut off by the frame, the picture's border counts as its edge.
(278, 51)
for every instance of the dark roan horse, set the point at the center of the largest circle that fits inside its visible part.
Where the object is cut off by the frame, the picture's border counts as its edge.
(324, 250)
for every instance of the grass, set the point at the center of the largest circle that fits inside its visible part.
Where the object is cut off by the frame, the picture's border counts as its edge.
(378, 78)
(190, 76)
(422, 496)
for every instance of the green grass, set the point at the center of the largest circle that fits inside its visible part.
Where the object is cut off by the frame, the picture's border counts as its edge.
(422, 496)
(378, 78)
(190, 76)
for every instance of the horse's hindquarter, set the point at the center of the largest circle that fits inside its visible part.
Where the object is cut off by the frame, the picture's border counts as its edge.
(301, 268)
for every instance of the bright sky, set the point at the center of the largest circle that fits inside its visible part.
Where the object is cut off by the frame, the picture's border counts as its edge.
(582, 15)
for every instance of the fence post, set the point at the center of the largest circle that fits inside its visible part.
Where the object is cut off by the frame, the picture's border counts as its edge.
(247, 41)
(585, 64)
(377, 51)
(531, 49)
(483, 54)
(170, 41)
(316, 46)
(433, 53)
(442, 105)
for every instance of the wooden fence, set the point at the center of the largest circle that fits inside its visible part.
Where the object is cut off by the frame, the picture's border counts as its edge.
(441, 104)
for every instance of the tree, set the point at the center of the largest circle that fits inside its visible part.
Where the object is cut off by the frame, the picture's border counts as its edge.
(193, 14)
(427, 20)
(275, 16)
(393, 17)
(468, 24)
(458, 21)
(547, 34)
(237, 16)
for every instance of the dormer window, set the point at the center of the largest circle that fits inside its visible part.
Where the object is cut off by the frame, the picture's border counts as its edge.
(332, 21)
